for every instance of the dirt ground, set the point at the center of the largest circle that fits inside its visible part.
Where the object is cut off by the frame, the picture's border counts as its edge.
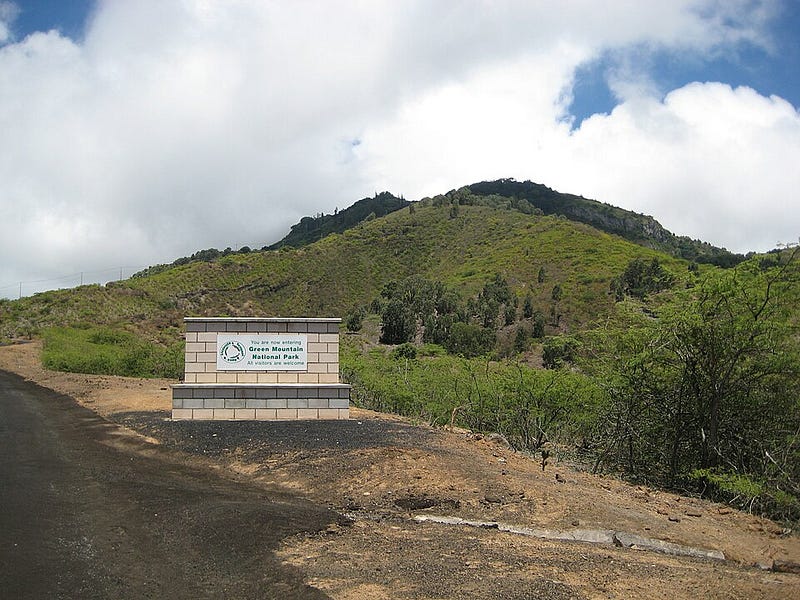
(384, 473)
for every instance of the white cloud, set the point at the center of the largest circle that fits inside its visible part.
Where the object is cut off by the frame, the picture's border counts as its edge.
(178, 125)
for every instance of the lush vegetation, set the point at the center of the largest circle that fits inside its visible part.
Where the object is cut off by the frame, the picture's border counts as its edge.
(106, 351)
(484, 308)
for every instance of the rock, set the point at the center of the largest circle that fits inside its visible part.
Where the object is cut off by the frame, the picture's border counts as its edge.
(693, 513)
(786, 566)
(674, 518)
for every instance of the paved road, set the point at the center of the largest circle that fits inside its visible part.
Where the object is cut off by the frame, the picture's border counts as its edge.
(88, 512)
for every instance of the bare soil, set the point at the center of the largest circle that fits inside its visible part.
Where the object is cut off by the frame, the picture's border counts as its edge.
(380, 471)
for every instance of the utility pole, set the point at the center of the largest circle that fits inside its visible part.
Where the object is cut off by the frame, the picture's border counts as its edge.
(20, 290)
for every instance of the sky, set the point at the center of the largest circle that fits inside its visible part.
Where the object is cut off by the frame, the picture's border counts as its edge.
(133, 132)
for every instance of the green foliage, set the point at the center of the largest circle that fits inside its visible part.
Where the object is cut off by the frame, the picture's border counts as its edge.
(559, 351)
(642, 278)
(711, 384)
(529, 407)
(407, 351)
(355, 319)
(469, 340)
(105, 351)
(397, 323)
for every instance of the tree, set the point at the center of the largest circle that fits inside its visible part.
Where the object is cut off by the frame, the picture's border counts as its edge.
(527, 307)
(642, 278)
(398, 324)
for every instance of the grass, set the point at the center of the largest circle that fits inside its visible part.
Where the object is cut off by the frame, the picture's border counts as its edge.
(107, 351)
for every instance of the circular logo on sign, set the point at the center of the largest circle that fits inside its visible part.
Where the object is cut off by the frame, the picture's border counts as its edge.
(232, 352)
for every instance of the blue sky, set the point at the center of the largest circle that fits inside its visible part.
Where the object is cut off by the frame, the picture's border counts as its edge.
(128, 124)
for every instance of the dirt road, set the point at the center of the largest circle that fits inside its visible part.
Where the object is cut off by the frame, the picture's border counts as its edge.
(90, 512)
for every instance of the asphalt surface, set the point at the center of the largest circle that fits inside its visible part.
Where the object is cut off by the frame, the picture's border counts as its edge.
(88, 512)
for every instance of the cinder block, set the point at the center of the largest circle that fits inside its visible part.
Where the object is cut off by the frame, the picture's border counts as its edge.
(244, 414)
(344, 392)
(287, 378)
(181, 413)
(193, 403)
(317, 403)
(286, 392)
(329, 338)
(328, 357)
(257, 327)
(177, 403)
(328, 413)
(255, 403)
(265, 414)
(207, 337)
(317, 347)
(312, 357)
(333, 367)
(344, 413)
(243, 393)
(286, 413)
(195, 326)
(276, 327)
(182, 393)
(217, 326)
(203, 414)
(297, 403)
(226, 377)
(214, 403)
(266, 393)
(211, 348)
(308, 378)
(203, 392)
(190, 357)
(312, 338)
(190, 337)
(194, 367)
(328, 392)
(276, 403)
(317, 367)
(224, 414)
(205, 378)
(267, 378)
(329, 378)
(190, 378)
(207, 357)
(307, 413)
(339, 403)
(195, 347)
(236, 327)
(235, 402)
(298, 327)
(317, 327)
(223, 393)
(246, 378)
(333, 328)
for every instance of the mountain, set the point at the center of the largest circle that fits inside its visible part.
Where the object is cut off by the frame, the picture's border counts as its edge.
(462, 246)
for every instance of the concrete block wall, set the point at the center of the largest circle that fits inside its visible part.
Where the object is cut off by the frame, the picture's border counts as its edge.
(201, 349)
(313, 393)
(269, 403)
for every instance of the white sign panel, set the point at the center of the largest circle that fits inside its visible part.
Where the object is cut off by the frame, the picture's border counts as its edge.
(262, 352)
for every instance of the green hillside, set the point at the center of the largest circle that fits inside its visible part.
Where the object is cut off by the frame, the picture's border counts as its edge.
(463, 249)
